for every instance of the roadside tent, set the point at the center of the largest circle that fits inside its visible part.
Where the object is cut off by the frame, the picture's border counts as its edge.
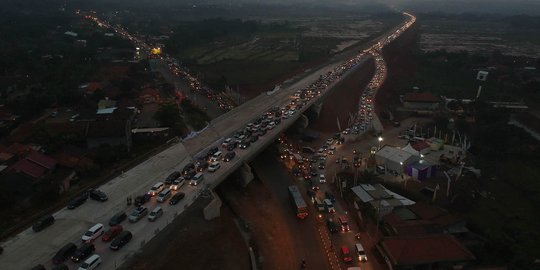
(409, 149)
(420, 170)
(394, 159)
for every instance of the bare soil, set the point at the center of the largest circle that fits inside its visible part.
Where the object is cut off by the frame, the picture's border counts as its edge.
(191, 242)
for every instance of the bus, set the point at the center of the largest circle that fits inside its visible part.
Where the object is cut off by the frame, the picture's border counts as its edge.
(298, 202)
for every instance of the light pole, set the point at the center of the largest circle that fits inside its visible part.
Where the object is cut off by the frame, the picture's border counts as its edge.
(380, 140)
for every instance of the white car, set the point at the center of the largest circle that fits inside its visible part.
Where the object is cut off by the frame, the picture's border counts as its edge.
(214, 166)
(272, 125)
(322, 178)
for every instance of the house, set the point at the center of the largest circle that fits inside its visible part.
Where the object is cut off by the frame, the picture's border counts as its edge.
(111, 129)
(434, 251)
(394, 159)
(420, 218)
(149, 95)
(421, 101)
(35, 165)
(111, 132)
(379, 198)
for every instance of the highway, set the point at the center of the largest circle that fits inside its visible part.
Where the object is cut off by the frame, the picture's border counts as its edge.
(28, 249)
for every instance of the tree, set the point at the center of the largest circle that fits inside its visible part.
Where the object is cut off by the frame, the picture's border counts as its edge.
(167, 115)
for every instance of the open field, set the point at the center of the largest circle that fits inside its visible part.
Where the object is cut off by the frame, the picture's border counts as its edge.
(481, 35)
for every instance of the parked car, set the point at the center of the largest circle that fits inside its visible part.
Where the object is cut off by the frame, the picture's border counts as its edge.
(43, 223)
(111, 233)
(121, 240)
(176, 198)
(137, 214)
(64, 253)
(117, 218)
(322, 178)
(77, 201)
(98, 195)
(83, 252)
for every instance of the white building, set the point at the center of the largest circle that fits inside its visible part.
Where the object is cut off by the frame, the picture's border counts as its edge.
(394, 159)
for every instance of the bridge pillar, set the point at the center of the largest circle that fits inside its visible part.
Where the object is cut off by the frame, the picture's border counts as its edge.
(245, 175)
(213, 209)
(302, 122)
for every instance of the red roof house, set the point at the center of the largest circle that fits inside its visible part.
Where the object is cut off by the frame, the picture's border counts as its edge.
(424, 250)
(42, 160)
(29, 168)
(421, 101)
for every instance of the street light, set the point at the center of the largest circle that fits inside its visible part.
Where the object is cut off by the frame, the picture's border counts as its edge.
(380, 140)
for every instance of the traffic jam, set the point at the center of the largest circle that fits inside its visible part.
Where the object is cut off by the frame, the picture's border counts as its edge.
(180, 184)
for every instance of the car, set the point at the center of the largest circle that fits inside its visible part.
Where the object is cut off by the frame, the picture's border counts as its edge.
(65, 252)
(176, 198)
(229, 156)
(344, 224)
(173, 176)
(142, 199)
(43, 223)
(254, 138)
(329, 196)
(245, 144)
(77, 201)
(321, 165)
(178, 183)
(314, 186)
(117, 218)
(212, 151)
(121, 240)
(201, 167)
(322, 178)
(137, 214)
(232, 146)
(83, 252)
(98, 195)
(93, 233)
(346, 254)
(226, 142)
(214, 166)
(155, 214)
(91, 263)
(111, 233)
(156, 189)
(332, 227)
(190, 166)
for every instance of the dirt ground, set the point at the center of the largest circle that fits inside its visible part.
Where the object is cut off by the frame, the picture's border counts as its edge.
(191, 242)
(343, 100)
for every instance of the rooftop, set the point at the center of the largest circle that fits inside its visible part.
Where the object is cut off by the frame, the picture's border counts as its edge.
(41, 159)
(424, 249)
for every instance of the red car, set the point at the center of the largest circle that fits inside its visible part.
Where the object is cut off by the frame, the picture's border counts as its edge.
(346, 254)
(112, 233)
